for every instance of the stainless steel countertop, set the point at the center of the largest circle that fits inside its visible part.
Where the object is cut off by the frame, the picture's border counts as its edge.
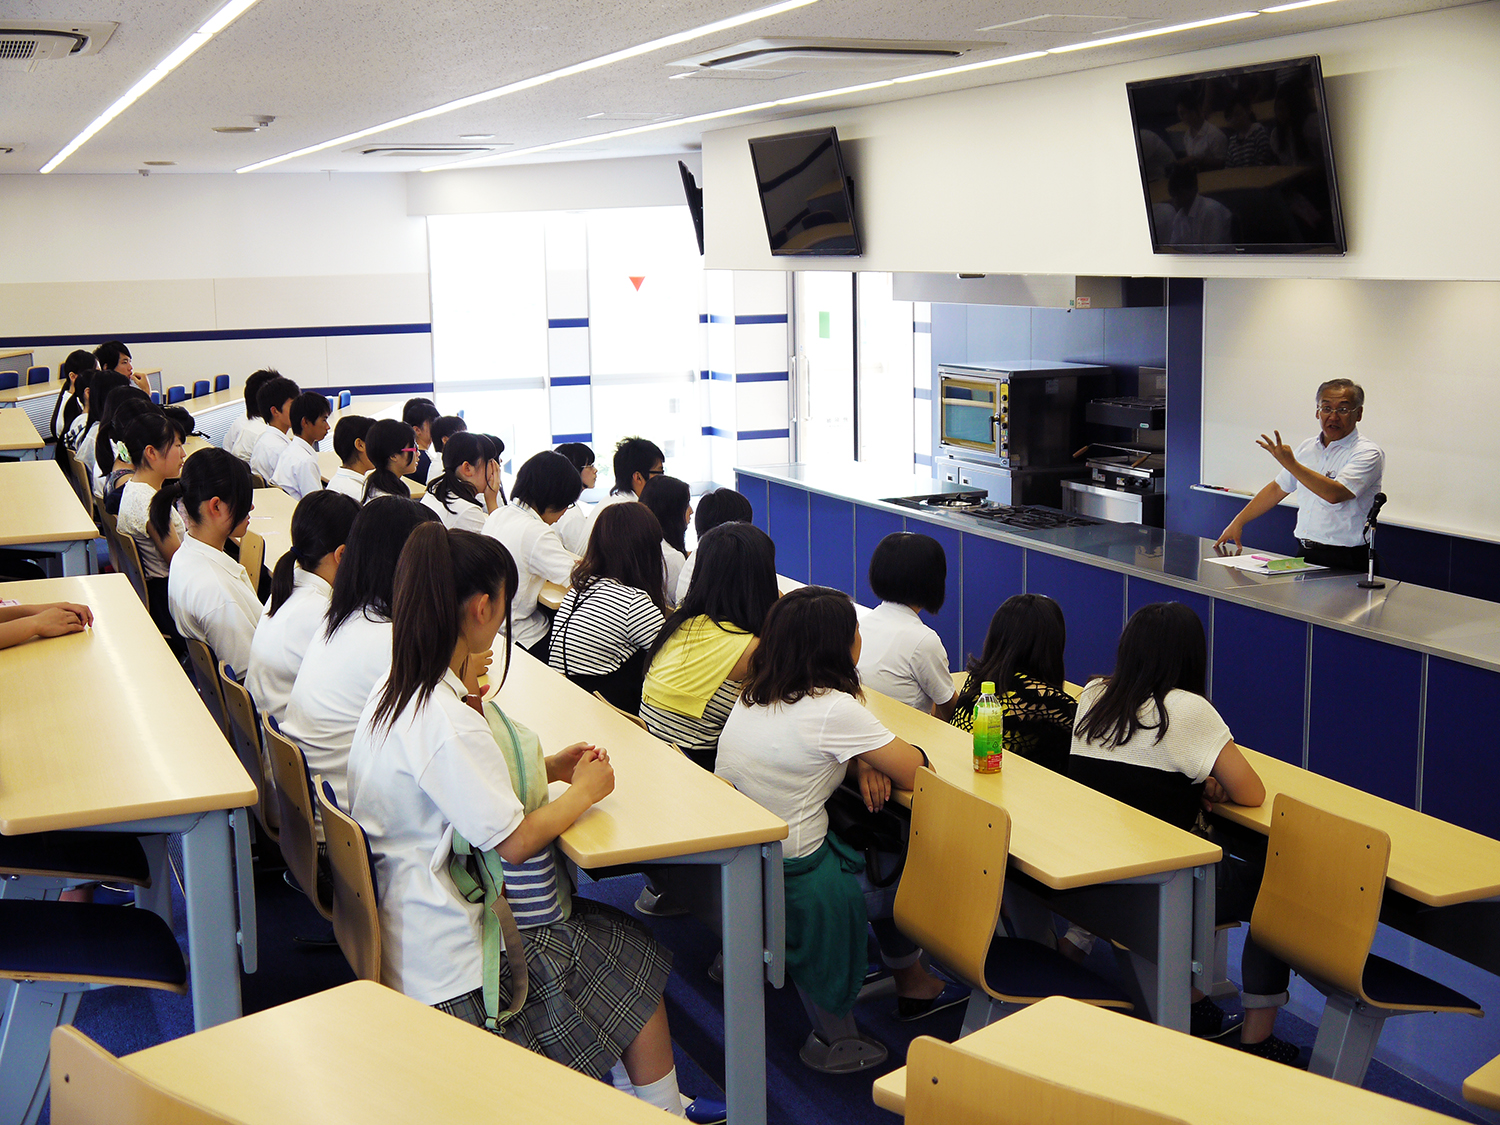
(1459, 628)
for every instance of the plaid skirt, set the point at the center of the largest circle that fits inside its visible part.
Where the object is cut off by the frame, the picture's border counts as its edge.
(593, 982)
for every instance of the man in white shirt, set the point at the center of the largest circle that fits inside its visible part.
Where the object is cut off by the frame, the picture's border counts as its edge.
(1335, 475)
(252, 410)
(1196, 220)
(637, 460)
(297, 469)
(275, 399)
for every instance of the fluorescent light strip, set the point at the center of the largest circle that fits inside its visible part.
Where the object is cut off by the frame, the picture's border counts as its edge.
(1294, 7)
(843, 91)
(209, 28)
(541, 79)
(1134, 35)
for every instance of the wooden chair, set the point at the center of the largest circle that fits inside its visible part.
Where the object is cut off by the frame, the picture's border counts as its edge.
(257, 481)
(1318, 906)
(205, 668)
(949, 904)
(244, 736)
(92, 1087)
(252, 555)
(55, 951)
(636, 719)
(1483, 1086)
(130, 554)
(298, 828)
(356, 914)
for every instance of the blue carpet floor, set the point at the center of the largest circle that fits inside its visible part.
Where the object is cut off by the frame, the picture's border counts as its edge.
(127, 1019)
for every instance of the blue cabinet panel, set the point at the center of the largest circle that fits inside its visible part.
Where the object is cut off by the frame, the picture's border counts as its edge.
(871, 525)
(756, 491)
(1093, 605)
(992, 573)
(948, 623)
(1259, 664)
(1142, 591)
(832, 542)
(1362, 729)
(1461, 755)
(787, 510)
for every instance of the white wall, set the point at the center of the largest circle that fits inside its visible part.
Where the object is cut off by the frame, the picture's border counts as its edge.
(646, 181)
(170, 254)
(1041, 176)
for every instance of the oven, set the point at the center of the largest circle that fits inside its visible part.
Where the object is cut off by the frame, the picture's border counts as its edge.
(1020, 416)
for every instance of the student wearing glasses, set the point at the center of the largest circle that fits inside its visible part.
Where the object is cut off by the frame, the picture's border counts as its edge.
(1337, 474)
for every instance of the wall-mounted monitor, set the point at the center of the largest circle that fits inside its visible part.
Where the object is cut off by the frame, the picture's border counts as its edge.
(694, 196)
(804, 194)
(1238, 161)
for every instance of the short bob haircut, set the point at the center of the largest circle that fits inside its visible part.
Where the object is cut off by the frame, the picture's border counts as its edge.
(805, 648)
(351, 428)
(910, 569)
(577, 452)
(721, 505)
(1162, 649)
(419, 411)
(547, 480)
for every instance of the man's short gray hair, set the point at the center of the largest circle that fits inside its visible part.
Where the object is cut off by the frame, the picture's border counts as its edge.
(1342, 385)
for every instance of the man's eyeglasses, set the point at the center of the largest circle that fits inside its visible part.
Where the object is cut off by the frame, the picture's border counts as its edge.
(656, 472)
(1342, 411)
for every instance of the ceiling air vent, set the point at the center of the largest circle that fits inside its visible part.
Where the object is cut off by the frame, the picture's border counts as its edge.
(417, 152)
(797, 55)
(26, 43)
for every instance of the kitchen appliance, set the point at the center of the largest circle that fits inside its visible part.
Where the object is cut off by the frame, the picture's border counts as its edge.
(1124, 485)
(1013, 428)
(1028, 517)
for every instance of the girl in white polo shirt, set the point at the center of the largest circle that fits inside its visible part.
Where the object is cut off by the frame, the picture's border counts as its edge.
(211, 597)
(428, 777)
(902, 657)
(468, 489)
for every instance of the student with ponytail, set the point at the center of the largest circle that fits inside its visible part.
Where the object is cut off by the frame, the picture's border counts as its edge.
(102, 383)
(351, 652)
(452, 794)
(469, 488)
(301, 588)
(211, 597)
(391, 447)
(69, 402)
(129, 404)
(153, 445)
(80, 420)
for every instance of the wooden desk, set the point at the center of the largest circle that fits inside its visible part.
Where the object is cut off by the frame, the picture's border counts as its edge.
(665, 809)
(271, 519)
(1070, 838)
(397, 1061)
(329, 463)
(17, 360)
(144, 755)
(194, 444)
(230, 396)
(1483, 1086)
(39, 511)
(551, 595)
(18, 436)
(1203, 1083)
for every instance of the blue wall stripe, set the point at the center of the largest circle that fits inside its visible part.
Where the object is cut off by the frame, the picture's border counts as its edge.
(366, 389)
(762, 377)
(924, 393)
(703, 374)
(715, 431)
(572, 380)
(568, 322)
(702, 318)
(721, 376)
(558, 439)
(922, 326)
(214, 334)
(756, 435)
(715, 318)
(761, 318)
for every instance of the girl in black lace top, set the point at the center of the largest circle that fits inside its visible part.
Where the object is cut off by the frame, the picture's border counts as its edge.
(1023, 655)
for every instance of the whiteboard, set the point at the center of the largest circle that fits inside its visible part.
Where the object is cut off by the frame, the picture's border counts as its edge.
(1427, 354)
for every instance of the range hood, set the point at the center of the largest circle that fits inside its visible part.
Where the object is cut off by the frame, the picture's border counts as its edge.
(1035, 290)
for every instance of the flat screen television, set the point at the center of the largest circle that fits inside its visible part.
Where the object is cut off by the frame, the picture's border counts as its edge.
(1238, 161)
(694, 196)
(804, 194)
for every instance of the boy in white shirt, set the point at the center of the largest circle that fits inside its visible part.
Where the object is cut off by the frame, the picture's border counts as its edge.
(349, 444)
(252, 413)
(275, 399)
(297, 470)
(255, 421)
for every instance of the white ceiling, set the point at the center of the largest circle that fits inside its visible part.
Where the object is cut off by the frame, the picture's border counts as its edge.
(323, 69)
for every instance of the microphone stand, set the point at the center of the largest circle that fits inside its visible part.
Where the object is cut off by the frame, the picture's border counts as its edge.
(1369, 582)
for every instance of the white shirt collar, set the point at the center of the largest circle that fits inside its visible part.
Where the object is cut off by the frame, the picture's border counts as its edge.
(218, 558)
(301, 578)
(454, 684)
(1343, 443)
(305, 445)
(897, 607)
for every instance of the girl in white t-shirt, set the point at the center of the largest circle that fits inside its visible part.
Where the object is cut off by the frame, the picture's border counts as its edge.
(428, 778)
(902, 657)
(798, 733)
(468, 489)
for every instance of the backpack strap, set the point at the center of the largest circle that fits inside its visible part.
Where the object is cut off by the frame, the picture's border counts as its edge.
(499, 924)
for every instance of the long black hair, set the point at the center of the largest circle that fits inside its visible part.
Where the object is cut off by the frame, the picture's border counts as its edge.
(320, 526)
(125, 405)
(103, 382)
(806, 647)
(461, 448)
(206, 474)
(68, 400)
(149, 429)
(367, 576)
(669, 500)
(624, 545)
(439, 571)
(734, 582)
(383, 440)
(1161, 649)
(721, 505)
(1027, 636)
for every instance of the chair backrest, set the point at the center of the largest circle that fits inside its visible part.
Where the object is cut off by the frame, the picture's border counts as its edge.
(80, 474)
(252, 555)
(1320, 896)
(356, 913)
(244, 736)
(9, 380)
(257, 481)
(156, 397)
(176, 394)
(200, 388)
(221, 383)
(38, 375)
(92, 1087)
(946, 1083)
(636, 719)
(206, 679)
(130, 553)
(294, 806)
(345, 398)
(949, 898)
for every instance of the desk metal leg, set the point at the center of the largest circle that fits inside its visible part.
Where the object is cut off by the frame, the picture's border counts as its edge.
(744, 989)
(212, 951)
(75, 560)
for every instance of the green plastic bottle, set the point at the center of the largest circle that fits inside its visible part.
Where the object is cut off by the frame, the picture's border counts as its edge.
(989, 730)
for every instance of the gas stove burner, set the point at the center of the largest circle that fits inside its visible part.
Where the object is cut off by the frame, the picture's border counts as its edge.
(960, 502)
(1031, 517)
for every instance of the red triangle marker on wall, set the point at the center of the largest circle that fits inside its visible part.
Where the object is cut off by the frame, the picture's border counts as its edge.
(636, 281)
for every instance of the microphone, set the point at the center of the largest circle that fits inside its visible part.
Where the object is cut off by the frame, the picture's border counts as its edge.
(1375, 509)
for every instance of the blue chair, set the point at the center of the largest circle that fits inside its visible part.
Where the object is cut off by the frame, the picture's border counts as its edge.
(345, 398)
(460, 413)
(156, 397)
(221, 383)
(9, 380)
(38, 375)
(200, 388)
(176, 394)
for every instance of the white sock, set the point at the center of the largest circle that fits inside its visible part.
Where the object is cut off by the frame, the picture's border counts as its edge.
(663, 1094)
(621, 1078)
